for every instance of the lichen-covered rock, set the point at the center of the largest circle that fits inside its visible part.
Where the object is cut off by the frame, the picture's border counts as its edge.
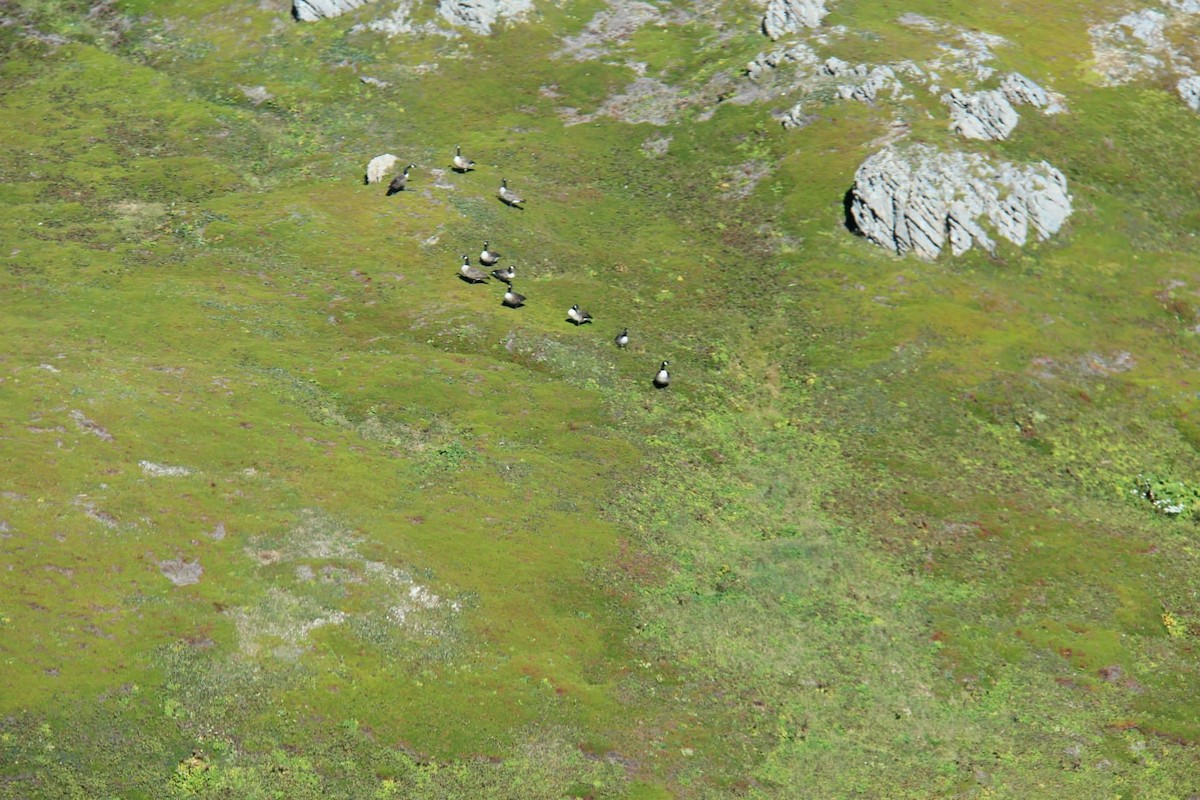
(799, 54)
(918, 199)
(1189, 91)
(866, 80)
(1021, 91)
(981, 115)
(313, 10)
(788, 16)
(380, 167)
(480, 15)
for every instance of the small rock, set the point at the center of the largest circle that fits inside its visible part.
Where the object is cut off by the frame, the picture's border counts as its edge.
(89, 426)
(1189, 91)
(380, 167)
(480, 15)
(256, 94)
(313, 10)
(788, 16)
(163, 471)
(981, 115)
(656, 146)
(1021, 91)
(180, 572)
(218, 533)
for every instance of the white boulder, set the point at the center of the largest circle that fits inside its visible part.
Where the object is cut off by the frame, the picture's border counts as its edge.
(918, 199)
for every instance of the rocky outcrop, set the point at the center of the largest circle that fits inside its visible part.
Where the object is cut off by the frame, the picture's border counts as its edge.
(981, 115)
(480, 15)
(1022, 91)
(1189, 91)
(865, 80)
(765, 63)
(918, 199)
(1138, 44)
(313, 10)
(380, 167)
(788, 16)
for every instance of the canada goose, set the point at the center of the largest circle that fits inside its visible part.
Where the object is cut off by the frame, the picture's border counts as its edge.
(577, 316)
(471, 274)
(488, 257)
(399, 182)
(506, 274)
(663, 379)
(622, 338)
(461, 163)
(508, 195)
(512, 299)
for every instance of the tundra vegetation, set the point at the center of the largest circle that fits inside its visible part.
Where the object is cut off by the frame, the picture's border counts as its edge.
(292, 512)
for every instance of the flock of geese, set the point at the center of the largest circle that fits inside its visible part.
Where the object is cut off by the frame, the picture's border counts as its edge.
(489, 257)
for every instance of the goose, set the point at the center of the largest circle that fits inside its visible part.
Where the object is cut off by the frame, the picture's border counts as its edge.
(506, 274)
(508, 195)
(622, 338)
(461, 163)
(577, 316)
(663, 379)
(400, 182)
(513, 299)
(488, 257)
(471, 274)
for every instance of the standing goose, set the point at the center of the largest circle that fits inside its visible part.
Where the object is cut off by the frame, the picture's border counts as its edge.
(461, 163)
(488, 257)
(507, 274)
(577, 316)
(513, 299)
(400, 182)
(471, 274)
(663, 379)
(508, 196)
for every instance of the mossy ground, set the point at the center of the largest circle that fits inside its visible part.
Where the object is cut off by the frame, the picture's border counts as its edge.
(879, 538)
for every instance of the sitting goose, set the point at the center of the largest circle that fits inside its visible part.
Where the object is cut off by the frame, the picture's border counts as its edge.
(488, 257)
(508, 196)
(506, 274)
(461, 163)
(471, 274)
(577, 316)
(400, 182)
(663, 379)
(512, 299)
(622, 339)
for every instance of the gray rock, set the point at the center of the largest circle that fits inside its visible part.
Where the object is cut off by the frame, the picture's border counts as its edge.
(180, 572)
(918, 199)
(799, 54)
(613, 25)
(1021, 91)
(981, 115)
(313, 10)
(480, 15)
(788, 16)
(256, 94)
(868, 80)
(795, 117)
(1189, 91)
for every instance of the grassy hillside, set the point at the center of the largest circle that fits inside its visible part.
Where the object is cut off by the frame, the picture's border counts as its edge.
(291, 511)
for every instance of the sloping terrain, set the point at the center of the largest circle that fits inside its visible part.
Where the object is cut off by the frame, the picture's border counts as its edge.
(293, 511)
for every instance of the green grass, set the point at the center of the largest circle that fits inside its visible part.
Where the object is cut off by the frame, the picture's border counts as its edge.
(879, 538)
